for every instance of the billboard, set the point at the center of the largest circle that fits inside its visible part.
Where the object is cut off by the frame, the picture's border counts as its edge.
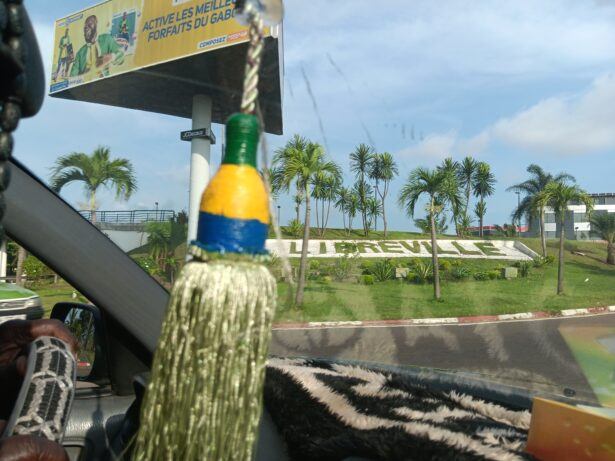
(119, 36)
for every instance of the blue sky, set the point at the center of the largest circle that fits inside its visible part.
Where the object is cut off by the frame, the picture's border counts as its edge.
(511, 83)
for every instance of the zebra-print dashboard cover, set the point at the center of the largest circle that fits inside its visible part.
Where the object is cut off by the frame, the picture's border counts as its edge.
(328, 411)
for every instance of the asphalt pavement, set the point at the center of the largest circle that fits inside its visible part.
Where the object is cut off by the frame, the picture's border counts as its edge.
(531, 353)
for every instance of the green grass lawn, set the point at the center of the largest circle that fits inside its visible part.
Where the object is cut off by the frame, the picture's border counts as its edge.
(588, 282)
(329, 301)
(51, 294)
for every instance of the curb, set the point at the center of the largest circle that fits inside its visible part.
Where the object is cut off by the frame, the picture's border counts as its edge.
(446, 321)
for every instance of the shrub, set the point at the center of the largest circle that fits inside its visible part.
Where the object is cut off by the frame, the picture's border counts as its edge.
(366, 279)
(295, 228)
(314, 272)
(423, 272)
(494, 274)
(445, 265)
(541, 261)
(461, 272)
(481, 275)
(343, 267)
(524, 267)
(366, 268)
(148, 265)
(383, 270)
(35, 269)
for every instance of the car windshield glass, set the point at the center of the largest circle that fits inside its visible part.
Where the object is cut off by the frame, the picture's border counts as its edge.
(441, 171)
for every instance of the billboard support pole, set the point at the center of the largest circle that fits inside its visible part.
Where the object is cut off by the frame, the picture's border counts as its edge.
(199, 159)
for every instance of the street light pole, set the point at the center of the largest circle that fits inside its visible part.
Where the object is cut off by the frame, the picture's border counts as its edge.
(278, 215)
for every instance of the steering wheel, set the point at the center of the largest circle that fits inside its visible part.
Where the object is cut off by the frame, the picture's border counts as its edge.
(47, 392)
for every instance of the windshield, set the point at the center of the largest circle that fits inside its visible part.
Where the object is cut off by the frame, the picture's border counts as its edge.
(455, 207)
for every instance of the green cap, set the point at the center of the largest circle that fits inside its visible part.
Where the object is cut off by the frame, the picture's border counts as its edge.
(242, 135)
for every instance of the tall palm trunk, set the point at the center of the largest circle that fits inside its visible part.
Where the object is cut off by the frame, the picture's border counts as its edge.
(560, 266)
(322, 218)
(376, 198)
(327, 218)
(482, 217)
(467, 204)
(297, 205)
(304, 251)
(93, 207)
(21, 257)
(543, 234)
(384, 220)
(434, 253)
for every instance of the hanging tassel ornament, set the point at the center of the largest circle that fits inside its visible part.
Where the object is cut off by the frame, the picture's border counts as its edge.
(204, 399)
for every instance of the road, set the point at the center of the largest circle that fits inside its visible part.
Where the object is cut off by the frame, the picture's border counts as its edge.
(529, 353)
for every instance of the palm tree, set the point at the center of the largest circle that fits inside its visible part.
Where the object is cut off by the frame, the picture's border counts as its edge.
(352, 208)
(298, 199)
(531, 188)
(332, 185)
(301, 161)
(163, 240)
(483, 186)
(363, 190)
(557, 195)
(360, 161)
(158, 241)
(383, 169)
(318, 191)
(480, 210)
(94, 171)
(374, 209)
(441, 189)
(603, 227)
(466, 173)
(425, 226)
(506, 230)
(342, 203)
(451, 167)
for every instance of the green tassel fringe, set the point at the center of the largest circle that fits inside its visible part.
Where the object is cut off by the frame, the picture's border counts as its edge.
(204, 399)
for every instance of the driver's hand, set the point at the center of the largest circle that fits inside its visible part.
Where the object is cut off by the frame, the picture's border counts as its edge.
(31, 448)
(16, 335)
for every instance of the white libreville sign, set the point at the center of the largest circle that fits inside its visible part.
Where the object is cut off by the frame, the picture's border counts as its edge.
(470, 249)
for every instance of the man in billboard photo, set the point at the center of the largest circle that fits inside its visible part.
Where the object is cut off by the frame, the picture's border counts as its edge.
(65, 55)
(98, 53)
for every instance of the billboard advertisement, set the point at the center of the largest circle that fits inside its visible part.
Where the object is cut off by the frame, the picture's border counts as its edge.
(119, 36)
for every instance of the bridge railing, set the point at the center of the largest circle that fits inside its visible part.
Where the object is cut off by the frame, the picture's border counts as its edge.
(128, 216)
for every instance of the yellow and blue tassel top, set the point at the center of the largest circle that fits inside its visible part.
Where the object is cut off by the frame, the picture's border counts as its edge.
(234, 211)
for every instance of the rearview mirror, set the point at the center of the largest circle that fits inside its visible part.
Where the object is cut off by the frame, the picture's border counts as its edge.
(85, 323)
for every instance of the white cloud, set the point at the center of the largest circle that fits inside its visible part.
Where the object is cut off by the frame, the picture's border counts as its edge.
(576, 124)
(435, 146)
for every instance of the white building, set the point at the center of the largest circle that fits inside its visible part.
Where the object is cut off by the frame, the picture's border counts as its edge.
(576, 224)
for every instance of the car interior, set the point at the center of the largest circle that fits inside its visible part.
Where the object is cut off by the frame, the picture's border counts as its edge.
(119, 327)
